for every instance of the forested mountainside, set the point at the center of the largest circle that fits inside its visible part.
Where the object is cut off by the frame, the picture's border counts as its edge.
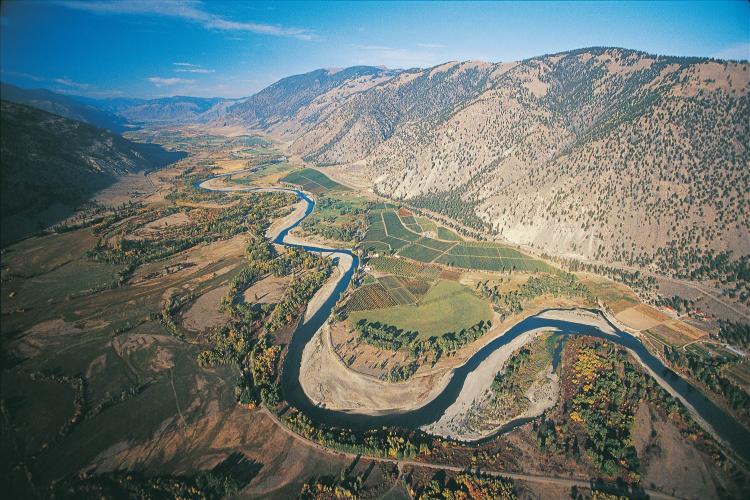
(68, 107)
(601, 153)
(50, 164)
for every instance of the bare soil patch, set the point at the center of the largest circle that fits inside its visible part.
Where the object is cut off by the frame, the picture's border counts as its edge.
(204, 313)
(269, 290)
(636, 318)
(670, 463)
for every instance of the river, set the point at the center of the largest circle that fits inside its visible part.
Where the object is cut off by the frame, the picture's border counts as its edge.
(714, 419)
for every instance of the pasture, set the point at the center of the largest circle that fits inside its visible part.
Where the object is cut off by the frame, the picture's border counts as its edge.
(313, 181)
(446, 307)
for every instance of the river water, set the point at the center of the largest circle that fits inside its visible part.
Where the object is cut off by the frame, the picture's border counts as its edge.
(724, 425)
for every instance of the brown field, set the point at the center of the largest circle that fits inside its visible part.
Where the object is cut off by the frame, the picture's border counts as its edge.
(269, 290)
(450, 274)
(226, 166)
(204, 313)
(616, 296)
(669, 461)
(641, 317)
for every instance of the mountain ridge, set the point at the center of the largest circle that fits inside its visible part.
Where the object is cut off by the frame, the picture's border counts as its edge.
(509, 141)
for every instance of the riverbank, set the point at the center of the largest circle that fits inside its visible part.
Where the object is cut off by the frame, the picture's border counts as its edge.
(329, 383)
(441, 398)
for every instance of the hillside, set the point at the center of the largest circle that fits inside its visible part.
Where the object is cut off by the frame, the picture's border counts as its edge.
(50, 164)
(68, 107)
(172, 109)
(296, 102)
(602, 153)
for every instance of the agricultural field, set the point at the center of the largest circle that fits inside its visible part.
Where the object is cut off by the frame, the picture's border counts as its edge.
(339, 217)
(403, 234)
(267, 174)
(489, 263)
(369, 297)
(395, 229)
(313, 181)
(446, 307)
(386, 291)
(446, 234)
(404, 268)
(419, 252)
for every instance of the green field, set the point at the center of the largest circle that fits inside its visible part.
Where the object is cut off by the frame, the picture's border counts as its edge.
(404, 268)
(396, 229)
(495, 263)
(419, 252)
(447, 234)
(270, 169)
(435, 244)
(447, 307)
(312, 181)
(392, 233)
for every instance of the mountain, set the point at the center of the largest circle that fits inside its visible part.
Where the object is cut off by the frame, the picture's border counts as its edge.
(68, 107)
(602, 153)
(300, 99)
(171, 109)
(111, 104)
(50, 164)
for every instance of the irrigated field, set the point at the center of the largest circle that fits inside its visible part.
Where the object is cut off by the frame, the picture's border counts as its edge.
(402, 234)
(446, 307)
(405, 268)
(312, 181)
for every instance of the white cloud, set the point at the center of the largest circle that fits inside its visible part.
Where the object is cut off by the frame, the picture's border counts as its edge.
(196, 70)
(70, 83)
(186, 67)
(168, 82)
(90, 93)
(25, 76)
(430, 45)
(187, 10)
(736, 51)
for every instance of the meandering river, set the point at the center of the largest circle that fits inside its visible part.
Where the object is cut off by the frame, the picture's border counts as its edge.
(713, 418)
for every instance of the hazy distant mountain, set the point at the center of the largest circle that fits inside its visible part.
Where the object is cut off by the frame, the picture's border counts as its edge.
(69, 107)
(602, 152)
(170, 109)
(112, 104)
(50, 164)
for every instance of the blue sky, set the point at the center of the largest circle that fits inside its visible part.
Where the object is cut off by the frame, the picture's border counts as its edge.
(154, 48)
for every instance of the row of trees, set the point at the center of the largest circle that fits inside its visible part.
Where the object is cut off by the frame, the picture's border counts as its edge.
(384, 442)
(393, 338)
(465, 485)
(710, 371)
(735, 333)
(512, 302)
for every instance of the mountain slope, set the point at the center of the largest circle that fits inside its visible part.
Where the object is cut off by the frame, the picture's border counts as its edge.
(62, 105)
(295, 96)
(601, 153)
(50, 164)
(609, 154)
(171, 109)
